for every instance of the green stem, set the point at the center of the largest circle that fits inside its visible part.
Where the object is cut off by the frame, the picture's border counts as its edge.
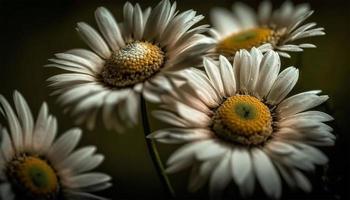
(153, 151)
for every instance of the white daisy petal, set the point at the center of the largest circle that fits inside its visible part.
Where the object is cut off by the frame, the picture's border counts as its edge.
(214, 75)
(245, 70)
(224, 22)
(280, 147)
(74, 161)
(180, 165)
(204, 87)
(193, 116)
(186, 97)
(97, 187)
(146, 14)
(286, 174)
(300, 102)
(187, 151)
(246, 15)
(15, 127)
(200, 175)
(176, 28)
(248, 186)
(156, 19)
(265, 47)
(214, 150)
(78, 92)
(128, 24)
(307, 45)
(40, 128)
(241, 165)
(70, 78)
(219, 178)
(302, 181)
(95, 61)
(283, 85)
(283, 54)
(138, 22)
(64, 145)
(290, 47)
(185, 156)
(93, 101)
(151, 92)
(80, 69)
(111, 119)
(109, 28)
(51, 132)
(131, 105)
(91, 163)
(170, 118)
(314, 154)
(93, 39)
(25, 116)
(7, 149)
(266, 174)
(85, 180)
(310, 115)
(264, 11)
(180, 135)
(228, 77)
(270, 66)
(254, 75)
(74, 61)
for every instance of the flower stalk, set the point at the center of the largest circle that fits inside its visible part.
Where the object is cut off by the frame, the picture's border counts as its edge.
(153, 152)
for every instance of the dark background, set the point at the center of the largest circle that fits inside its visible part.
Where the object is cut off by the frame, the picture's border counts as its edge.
(32, 31)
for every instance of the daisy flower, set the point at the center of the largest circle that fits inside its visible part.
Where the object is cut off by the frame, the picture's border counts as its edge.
(266, 29)
(34, 165)
(239, 126)
(128, 59)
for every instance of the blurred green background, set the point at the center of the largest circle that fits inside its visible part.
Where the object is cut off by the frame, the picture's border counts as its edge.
(32, 31)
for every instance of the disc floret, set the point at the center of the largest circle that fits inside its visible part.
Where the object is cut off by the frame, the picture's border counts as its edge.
(33, 177)
(247, 39)
(134, 63)
(243, 119)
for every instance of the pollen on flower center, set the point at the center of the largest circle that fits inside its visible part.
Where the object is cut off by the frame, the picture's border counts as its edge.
(243, 119)
(246, 40)
(134, 63)
(33, 177)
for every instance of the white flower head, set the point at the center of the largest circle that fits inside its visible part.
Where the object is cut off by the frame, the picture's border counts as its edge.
(131, 58)
(36, 165)
(243, 28)
(239, 126)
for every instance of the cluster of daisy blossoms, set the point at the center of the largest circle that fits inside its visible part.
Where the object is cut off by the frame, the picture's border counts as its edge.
(232, 110)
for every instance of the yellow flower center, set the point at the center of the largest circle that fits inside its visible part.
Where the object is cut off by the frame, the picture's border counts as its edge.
(246, 40)
(33, 178)
(134, 63)
(243, 119)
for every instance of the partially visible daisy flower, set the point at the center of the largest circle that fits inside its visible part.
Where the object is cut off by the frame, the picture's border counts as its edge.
(34, 165)
(239, 126)
(243, 28)
(132, 58)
